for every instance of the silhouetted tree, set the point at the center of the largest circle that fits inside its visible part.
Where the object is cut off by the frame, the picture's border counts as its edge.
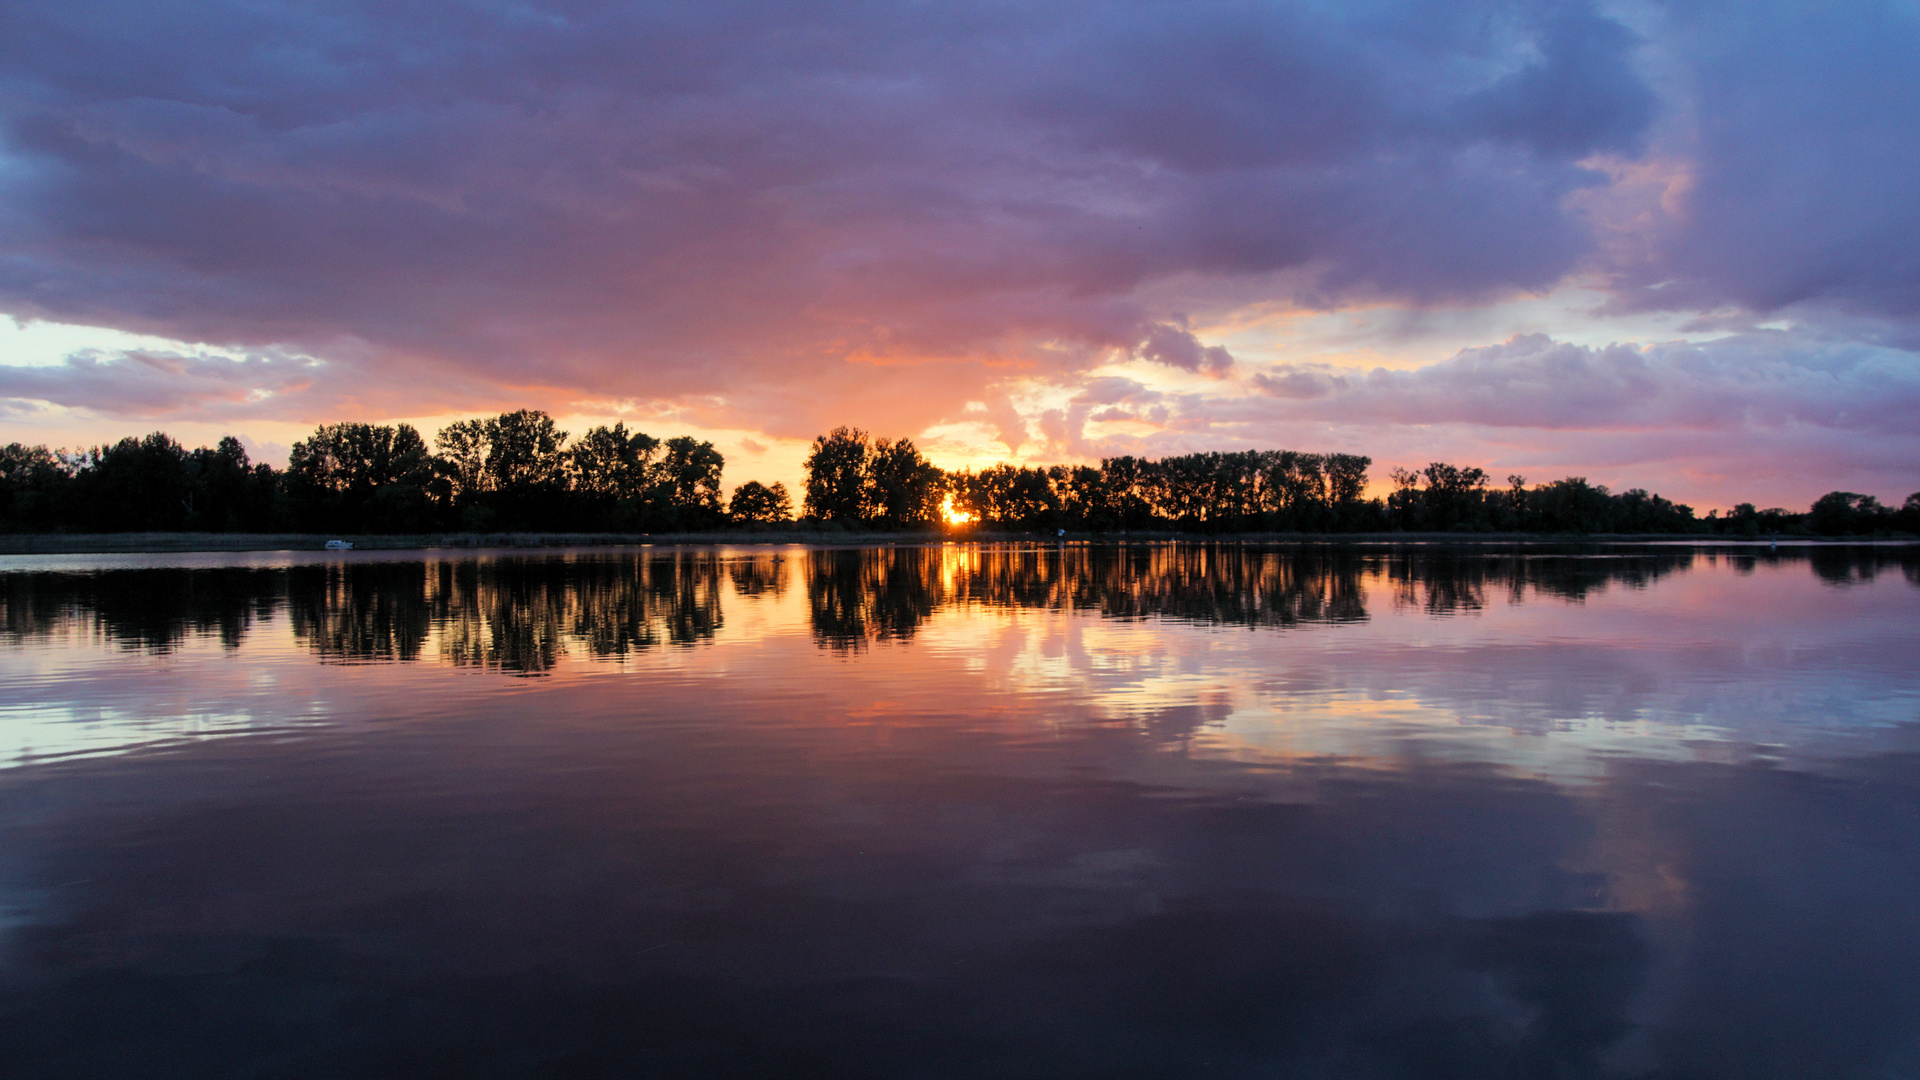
(1744, 520)
(526, 465)
(614, 476)
(1509, 507)
(1128, 484)
(462, 458)
(362, 478)
(227, 493)
(34, 493)
(135, 484)
(1008, 496)
(614, 462)
(754, 503)
(1403, 505)
(837, 475)
(903, 488)
(1299, 490)
(1571, 505)
(690, 483)
(1907, 518)
(1346, 484)
(1086, 497)
(1847, 513)
(1454, 496)
(506, 472)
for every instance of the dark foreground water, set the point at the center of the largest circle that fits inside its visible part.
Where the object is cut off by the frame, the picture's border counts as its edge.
(962, 812)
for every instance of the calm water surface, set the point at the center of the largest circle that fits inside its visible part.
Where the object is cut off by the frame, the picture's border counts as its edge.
(962, 812)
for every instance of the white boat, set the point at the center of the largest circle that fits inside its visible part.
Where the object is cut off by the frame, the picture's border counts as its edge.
(339, 545)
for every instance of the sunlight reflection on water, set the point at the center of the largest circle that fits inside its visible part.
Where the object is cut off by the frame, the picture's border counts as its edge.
(1047, 809)
(1533, 659)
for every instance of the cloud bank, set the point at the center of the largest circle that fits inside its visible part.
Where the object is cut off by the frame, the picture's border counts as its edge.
(1757, 380)
(787, 216)
(1767, 415)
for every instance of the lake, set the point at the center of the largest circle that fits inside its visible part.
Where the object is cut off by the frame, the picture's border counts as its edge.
(963, 811)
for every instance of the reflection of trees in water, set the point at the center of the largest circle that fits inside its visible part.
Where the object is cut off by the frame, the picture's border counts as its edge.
(631, 604)
(513, 614)
(1859, 565)
(857, 594)
(1836, 565)
(759, 575)
(1445, 581)
(877, 594)
(156, 610)
(523, 613)
(520, 615)
(491, 616)
(367, 611)
(1231, 585)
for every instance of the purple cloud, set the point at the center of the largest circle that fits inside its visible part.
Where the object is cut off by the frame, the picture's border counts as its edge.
(147, 384)
(1771, 416)
(788, 216)
(1762, 379)
(667, 200)
(1799, 155)
(1176, 346)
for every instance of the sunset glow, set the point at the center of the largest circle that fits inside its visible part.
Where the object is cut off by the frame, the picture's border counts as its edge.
(1192, 228)
(952, 514)
(971, 539)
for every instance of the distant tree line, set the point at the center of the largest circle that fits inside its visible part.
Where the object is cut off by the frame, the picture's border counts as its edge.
(858, 481)
(519, 471)
(515, 471)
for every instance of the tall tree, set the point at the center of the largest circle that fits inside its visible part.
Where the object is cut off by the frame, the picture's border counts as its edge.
(1454, 495)
(1404, 503)
(1907, 518)
(903, 488)
(1346, 483)
(614, 463)
(525, 452)
(1847, 513)
(754, 503)
(135, 484)
(1572, 505)
(34, 488)
(690, 477)
(1300, 487)
(220, 495)
(362, 478)
(1128, 484)
(462, 457)
(508, 471)
(837, 475)
(614, 478)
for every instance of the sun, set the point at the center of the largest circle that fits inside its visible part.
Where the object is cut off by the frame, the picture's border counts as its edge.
(954, 516)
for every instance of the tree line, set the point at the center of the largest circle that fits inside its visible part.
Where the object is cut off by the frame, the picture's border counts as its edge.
(858, 481)
(514, 471)
(519, 472)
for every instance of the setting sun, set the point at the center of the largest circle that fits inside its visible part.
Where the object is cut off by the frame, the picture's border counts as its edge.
(953, 515)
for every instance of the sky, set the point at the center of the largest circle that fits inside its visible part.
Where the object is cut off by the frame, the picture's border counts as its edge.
(1663, 245)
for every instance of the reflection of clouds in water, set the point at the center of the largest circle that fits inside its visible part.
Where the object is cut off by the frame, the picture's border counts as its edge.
(33, 735)
(956, 899)
(76, 701)
(1025, 833)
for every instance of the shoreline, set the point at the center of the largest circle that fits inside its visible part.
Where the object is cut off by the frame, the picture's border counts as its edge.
(158, 543)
